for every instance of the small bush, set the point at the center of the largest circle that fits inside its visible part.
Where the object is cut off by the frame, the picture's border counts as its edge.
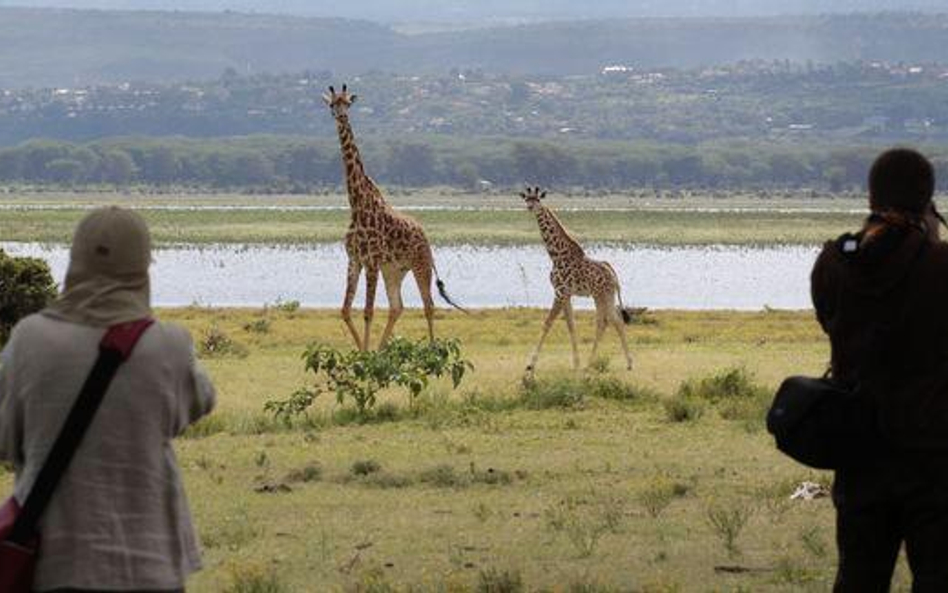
(727, 520)
(683, 409)
(215, 343)
(730, 384)
(26, 286)
(358, 377)
(366, 467)
(656, 496)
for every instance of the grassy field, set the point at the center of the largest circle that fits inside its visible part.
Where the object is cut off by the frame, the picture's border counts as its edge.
(447, 218)
(578, 482)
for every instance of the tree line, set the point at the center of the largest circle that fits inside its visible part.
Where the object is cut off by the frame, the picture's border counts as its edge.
(299, 165)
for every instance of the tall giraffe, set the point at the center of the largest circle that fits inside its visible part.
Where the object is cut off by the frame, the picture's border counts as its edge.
(379, 239)
(574, 274)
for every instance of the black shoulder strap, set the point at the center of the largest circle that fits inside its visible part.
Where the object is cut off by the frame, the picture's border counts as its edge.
(114, 349)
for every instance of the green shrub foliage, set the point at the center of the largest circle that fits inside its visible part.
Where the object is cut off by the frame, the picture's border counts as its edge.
(26, 286)
(357, 377)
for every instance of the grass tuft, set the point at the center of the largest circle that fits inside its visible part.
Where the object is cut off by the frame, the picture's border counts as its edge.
(255, 579)
(493, 580)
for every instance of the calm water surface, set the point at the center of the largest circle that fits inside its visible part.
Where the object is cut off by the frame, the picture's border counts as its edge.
(697, 277)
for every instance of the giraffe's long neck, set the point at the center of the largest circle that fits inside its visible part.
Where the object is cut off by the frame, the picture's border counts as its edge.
(559, 243)
(361, 189)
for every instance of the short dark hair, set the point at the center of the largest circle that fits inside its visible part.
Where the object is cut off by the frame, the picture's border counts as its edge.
(901, 179)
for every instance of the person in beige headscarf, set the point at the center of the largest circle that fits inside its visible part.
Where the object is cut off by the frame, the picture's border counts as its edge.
(119, 519)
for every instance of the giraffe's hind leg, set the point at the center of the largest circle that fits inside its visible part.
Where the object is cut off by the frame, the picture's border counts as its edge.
(615, 318)
(352, 281)
(555, 310)
(422, 274)
(602, 305)
(571, 326)
(371, 284)
(393, 276)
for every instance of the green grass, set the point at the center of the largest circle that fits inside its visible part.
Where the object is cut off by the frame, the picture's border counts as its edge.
(480, 489)
(484, 220)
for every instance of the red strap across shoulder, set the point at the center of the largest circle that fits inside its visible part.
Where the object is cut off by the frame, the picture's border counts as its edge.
(122, 337)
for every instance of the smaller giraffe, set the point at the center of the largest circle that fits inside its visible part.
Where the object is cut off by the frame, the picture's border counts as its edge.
(574, 274)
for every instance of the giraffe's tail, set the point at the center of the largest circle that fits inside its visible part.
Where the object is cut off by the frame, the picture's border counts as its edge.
(625, 312)
(444, 293)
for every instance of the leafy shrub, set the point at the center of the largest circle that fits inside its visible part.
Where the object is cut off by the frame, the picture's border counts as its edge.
(359, 376)
(26, 286)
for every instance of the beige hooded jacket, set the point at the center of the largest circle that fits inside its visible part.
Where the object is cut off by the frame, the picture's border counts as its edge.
(119, 519)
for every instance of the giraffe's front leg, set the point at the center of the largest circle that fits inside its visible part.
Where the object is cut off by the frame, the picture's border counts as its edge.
(571, 326)
(352, 281)
(371, 284)
(550, 318)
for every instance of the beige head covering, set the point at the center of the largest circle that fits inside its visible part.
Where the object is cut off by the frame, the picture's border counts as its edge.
(107, 279)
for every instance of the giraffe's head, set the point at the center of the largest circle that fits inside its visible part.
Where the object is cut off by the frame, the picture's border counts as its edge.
(339, 103)
(532, 196)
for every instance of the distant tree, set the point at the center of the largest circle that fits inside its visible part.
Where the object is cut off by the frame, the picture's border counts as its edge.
(542, 163)
(306, 164)
(159, 164)
(410, 163)
(66, 171)
(116, 167)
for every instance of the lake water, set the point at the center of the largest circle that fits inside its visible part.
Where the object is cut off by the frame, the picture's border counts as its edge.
(699, 277)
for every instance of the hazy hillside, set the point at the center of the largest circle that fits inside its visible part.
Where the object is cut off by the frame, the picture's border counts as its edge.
(473, 11)
(74, 48)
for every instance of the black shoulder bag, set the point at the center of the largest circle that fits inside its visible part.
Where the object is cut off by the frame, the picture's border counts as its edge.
(826, 425)
(18, 538)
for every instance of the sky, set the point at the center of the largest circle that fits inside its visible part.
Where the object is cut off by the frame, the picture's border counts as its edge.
(500, 11)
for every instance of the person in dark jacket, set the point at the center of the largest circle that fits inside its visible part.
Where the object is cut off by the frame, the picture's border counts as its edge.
(881, 295)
